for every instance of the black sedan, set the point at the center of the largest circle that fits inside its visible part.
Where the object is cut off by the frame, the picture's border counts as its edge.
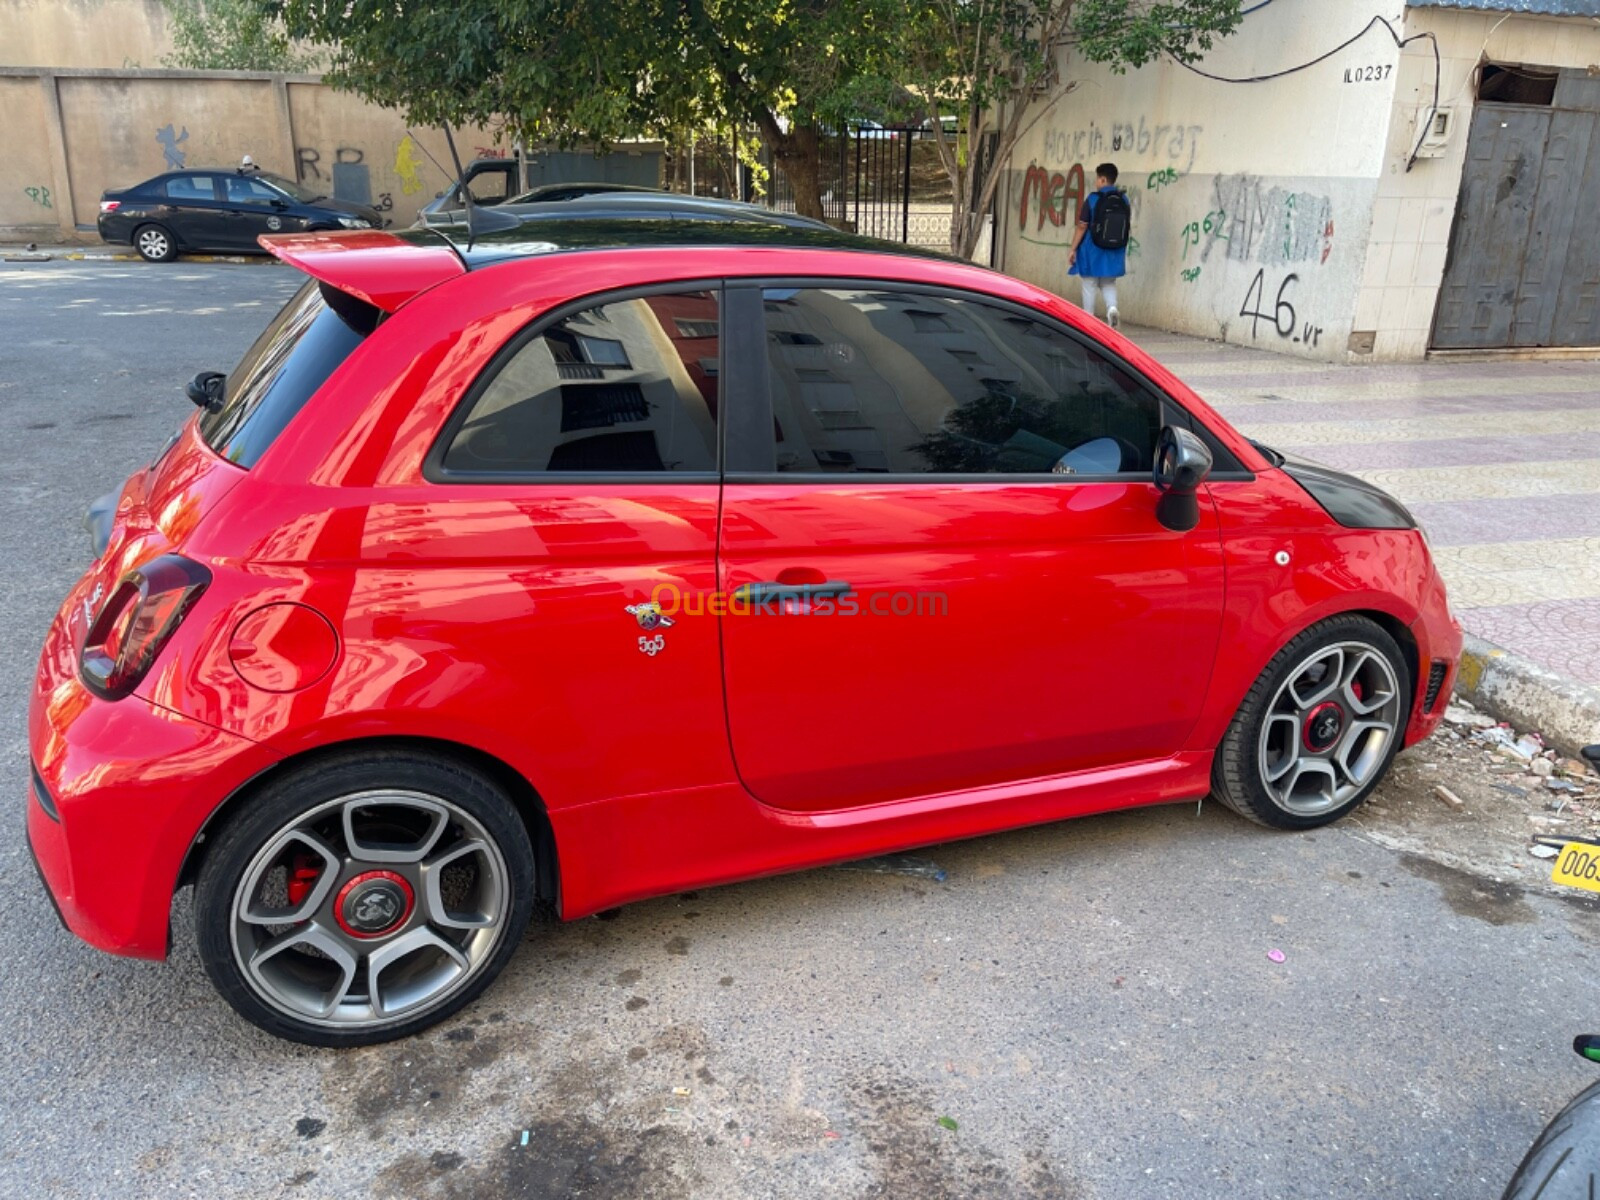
(223, 209)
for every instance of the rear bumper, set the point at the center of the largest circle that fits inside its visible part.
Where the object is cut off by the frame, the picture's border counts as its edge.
(131, 785)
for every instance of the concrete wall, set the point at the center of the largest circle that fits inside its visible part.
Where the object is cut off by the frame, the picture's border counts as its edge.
(83, 33)
(1247, 198)
(1414, 210)
(70, 135)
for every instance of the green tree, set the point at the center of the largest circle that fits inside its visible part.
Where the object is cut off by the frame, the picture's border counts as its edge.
(991, 67)
(599, 70)
(232, 35)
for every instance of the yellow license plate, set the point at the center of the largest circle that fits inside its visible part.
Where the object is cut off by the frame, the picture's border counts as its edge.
(1577, 866)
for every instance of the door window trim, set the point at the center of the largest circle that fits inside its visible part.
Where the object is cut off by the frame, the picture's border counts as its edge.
(753, 387)
(435, 471)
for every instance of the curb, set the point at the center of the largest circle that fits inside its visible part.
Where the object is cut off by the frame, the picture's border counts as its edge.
(94, 256)
(1506, 685)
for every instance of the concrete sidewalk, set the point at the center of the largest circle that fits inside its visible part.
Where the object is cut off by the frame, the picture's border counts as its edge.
(1500, 461)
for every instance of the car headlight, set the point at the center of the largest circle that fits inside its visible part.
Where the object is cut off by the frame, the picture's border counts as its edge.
(355, 223)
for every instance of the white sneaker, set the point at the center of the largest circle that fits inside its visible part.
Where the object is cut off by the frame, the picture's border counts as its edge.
(1112, 319)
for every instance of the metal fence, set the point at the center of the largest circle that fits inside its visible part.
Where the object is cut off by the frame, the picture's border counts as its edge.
(882, 182)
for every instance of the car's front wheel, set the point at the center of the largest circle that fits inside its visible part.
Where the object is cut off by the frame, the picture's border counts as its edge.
(364, 898)
(1319, 728)
(154, 244)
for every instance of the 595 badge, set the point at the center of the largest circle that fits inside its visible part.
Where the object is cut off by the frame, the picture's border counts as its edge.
(650, 618)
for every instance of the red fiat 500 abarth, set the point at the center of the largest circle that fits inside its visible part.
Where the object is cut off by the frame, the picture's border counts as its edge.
(659, 556)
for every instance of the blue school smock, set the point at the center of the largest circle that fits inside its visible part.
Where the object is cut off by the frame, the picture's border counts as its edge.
(1091, 260)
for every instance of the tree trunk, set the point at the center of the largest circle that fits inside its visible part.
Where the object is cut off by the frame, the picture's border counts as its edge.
(796, 154)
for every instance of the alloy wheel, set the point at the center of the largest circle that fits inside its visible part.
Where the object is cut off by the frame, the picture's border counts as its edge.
(153, 243)
(1328, 730)
(370, 909)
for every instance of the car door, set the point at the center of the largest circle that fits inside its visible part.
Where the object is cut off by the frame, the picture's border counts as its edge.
(252, 209)
(940, 544)
(198, 215)
(579, 476)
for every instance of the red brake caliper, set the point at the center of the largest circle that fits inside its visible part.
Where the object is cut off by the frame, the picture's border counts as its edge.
(303, 872)
(1355, 689)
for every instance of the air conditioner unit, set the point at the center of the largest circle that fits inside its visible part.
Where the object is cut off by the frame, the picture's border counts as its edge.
(1440, 125)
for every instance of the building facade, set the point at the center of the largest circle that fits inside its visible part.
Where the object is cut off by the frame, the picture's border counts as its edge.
(1378, 204)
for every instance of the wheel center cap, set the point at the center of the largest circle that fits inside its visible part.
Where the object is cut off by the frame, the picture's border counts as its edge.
(1324, 724)
(373, 904)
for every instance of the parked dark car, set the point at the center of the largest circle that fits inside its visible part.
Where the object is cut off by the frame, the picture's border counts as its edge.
(219, 209)
(633, 205)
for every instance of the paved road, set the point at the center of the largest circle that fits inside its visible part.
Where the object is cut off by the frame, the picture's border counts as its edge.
(1091, 1003)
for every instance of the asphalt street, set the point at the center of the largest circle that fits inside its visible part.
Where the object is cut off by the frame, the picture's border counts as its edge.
(1081, 1010)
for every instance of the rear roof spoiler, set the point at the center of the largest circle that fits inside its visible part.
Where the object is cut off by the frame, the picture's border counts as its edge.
(373, 265)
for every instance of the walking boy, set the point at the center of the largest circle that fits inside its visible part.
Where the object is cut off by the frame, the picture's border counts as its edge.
(1100, 249)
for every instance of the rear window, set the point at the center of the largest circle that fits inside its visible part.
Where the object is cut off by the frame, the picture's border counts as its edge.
(293, 357)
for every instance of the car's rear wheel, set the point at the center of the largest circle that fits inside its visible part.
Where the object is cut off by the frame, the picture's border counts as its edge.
(1318, 730)
(364, 898)
(154, 244)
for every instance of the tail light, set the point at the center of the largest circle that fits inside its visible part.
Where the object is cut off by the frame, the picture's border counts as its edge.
(110, 206)
(136, 621)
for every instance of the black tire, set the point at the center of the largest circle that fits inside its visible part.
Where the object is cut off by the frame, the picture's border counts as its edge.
(1564, 1163)
(1238, 779)
(464, 798)
(155, 243)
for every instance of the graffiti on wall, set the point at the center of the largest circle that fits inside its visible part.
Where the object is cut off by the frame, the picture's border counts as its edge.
(1281, 317)
(1055, 196)
(347, 171)
(1176, 144)
(40, 195)
(171, 141)
(408, 166)
(1269, 224)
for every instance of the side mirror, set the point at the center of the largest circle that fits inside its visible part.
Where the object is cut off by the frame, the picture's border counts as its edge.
(205, 389)
(1182, 464)
(279, 204)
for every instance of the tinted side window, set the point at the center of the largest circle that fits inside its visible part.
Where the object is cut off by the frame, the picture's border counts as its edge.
(900, 382)
(630, 385)
(191, 187)
(244, 190)
(291, 359)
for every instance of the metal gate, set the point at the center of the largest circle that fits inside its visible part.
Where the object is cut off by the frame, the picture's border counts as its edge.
(1524, 264)
(886, 183)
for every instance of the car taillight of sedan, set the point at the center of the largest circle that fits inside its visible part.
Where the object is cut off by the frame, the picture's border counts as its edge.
(109, 206)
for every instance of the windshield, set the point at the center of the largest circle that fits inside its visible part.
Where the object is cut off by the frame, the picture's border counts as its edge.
(303, 194)
(291, 359)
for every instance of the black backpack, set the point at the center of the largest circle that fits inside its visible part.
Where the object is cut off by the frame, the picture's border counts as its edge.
(1111, 222)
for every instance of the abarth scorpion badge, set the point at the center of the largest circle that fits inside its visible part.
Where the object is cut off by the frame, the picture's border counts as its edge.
(651, 618)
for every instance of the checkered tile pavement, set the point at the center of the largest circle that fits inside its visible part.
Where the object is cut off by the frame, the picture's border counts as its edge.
(1500, 462)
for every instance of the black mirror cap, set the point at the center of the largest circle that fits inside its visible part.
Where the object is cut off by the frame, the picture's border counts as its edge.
(1182, 461)
(1354, 503)
(205, 389)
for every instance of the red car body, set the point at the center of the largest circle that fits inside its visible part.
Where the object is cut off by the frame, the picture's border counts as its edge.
(1087, 660)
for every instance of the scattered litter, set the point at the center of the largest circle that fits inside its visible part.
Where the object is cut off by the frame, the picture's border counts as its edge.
(1458, 715)
(524, 1137)
(1543, 851)
(898, 864)
(1510, 789)
(681, 1092)
(1542, 767)
(1561, 785)
(831, 1134)
(947, 1123)
(1276, 955)
(1450, 798)
(1573, 767)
